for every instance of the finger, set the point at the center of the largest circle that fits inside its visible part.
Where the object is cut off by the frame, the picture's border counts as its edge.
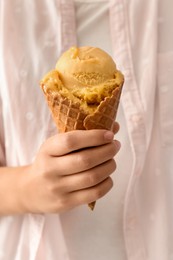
(89, 195)
(116, 127)
(65, 143)
(88, 178)
(85, 159)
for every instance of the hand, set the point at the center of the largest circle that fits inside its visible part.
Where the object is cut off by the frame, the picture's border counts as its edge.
(70, 169)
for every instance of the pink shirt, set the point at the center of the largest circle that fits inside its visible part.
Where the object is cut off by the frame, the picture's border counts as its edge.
(33, 35)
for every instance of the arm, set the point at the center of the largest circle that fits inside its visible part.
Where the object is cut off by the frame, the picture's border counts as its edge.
(10, 189)
(69, 170)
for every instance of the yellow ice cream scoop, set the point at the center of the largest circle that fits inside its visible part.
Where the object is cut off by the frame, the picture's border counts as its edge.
(85, 66)
(86, 75)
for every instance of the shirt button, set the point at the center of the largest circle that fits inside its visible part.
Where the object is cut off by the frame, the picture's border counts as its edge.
(131, 223)
(136, 118)
(164, 88)
(119, 7)
(29, 116)
(49, 43)
(128, 73)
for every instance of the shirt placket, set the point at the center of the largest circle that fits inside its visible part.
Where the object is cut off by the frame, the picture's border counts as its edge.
(134, 114)
(68, 25)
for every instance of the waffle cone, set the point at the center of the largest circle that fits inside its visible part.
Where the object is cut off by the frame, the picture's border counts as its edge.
(70, 116)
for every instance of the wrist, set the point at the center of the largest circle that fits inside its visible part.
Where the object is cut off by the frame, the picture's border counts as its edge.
(11, 190)
(23, 197)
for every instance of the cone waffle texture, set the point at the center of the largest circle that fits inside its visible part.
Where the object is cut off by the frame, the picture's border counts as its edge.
(69, 116)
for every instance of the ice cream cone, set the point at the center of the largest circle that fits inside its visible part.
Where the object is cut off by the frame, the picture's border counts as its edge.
(69, 116)
(69, 113)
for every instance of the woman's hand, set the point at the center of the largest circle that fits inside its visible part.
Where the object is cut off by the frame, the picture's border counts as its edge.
(70, 169)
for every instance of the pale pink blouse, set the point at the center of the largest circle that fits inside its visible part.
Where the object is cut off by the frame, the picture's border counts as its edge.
(32, 36)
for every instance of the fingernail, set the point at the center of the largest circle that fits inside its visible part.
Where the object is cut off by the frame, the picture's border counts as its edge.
(118, 145)
(109, 135)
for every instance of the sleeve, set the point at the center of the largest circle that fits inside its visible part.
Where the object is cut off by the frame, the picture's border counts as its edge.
(2, 140)
(2, 143)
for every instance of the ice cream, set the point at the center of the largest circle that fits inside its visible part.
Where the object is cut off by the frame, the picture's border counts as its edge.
(84, 89)
(86, 75)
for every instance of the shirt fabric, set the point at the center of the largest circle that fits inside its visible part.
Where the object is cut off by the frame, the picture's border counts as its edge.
(134, 221)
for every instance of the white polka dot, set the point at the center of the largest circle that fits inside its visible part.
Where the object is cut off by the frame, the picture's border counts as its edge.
(23, 73)
(29, 116)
